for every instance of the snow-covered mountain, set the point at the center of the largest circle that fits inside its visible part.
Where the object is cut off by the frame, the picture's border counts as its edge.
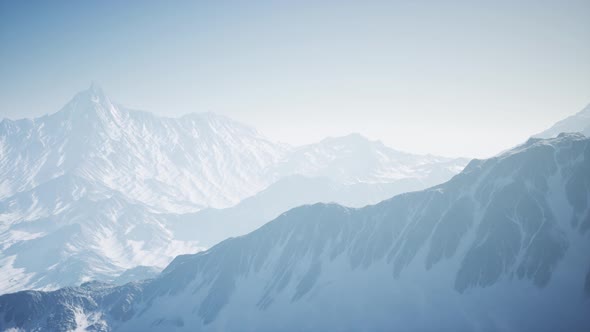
(184, 164)
(503, 246)
(175, 165)
(577, 123)
(83, 190)
(96, 189)
(355, 159)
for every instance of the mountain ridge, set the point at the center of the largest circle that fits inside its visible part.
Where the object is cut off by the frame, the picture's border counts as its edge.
(579, 122)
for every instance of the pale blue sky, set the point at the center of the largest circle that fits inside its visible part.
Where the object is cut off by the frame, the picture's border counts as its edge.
(466, 78)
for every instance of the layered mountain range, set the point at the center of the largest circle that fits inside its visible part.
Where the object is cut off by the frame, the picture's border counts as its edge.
(97, 191)
(502, 246)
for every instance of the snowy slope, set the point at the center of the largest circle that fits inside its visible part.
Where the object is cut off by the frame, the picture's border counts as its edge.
(98, 189)
(68, 231)
(503, 246)
(577, 123)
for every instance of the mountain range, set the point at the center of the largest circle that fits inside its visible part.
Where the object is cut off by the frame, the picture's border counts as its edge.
(502, 246)
(97, 191)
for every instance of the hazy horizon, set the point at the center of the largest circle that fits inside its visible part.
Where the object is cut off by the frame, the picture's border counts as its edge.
(478, 78)
(122, 212)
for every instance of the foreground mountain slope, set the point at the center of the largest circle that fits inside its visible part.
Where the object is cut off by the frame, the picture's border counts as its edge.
(502, 246)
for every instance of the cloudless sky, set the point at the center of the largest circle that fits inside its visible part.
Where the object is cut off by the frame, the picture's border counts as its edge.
(456, 78)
